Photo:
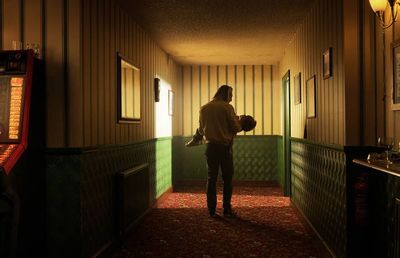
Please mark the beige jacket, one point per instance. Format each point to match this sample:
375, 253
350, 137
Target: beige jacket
218, 122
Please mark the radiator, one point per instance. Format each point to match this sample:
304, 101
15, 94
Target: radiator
132, 197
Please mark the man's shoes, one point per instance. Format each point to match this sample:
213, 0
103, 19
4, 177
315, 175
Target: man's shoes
229, 213
193, 142
212, 214
196, 140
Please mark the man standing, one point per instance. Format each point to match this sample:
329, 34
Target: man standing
219, 125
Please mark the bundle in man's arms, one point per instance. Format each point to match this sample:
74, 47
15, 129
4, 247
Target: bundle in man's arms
247, 122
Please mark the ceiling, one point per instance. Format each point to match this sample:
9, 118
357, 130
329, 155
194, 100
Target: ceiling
220, 31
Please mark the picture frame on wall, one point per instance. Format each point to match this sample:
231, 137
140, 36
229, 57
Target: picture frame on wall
396, 74
128, 80
297, 89
327, 63
311, 97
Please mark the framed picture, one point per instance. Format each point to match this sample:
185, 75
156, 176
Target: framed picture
311, 97
170, 102
297, 89
396, 74
128, 91
327, 63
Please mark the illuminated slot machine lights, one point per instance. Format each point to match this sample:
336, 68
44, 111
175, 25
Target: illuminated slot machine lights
15, 107
5, 152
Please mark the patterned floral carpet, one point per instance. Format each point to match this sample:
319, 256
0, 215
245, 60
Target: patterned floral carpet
266, 226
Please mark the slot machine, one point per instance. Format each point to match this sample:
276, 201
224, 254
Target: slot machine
16, 72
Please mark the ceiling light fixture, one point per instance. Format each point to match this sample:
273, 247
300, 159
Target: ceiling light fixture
379, 7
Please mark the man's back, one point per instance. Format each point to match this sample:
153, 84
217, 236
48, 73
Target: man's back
218, 122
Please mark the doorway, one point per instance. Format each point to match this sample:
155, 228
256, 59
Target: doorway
286, 134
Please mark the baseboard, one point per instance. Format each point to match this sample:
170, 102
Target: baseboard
104, 251
110, 247
246, 183
162, 197
325, 251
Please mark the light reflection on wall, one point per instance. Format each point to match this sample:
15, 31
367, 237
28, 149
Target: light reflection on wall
163, 123
163, 128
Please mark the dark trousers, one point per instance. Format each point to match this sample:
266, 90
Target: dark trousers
219, 155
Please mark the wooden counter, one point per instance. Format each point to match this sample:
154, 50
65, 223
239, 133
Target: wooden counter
380, 165
375, 199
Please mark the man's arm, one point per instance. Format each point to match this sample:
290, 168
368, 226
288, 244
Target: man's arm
201, 125
234, 120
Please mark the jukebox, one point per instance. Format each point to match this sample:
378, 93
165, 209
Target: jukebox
16, 70
16, 80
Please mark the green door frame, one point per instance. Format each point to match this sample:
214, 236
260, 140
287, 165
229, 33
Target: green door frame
286, 134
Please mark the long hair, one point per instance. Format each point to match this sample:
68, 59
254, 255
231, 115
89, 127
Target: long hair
223, 92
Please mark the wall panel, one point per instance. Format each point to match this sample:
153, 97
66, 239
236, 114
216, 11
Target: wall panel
204, 86
32, 25
267, 101
249, 91
128, 38
55, 73
240, 91
86, 66
388, 114
252, 86
74, 73
79, 41
258, 98
232, 82
195, 97
11, 19
187, 100
94, 72
304, 55
213, 80
101, 72
276, 93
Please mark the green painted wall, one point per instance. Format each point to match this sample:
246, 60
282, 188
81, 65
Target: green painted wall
163, 170
319, 190
281, 159
81, 183
81, 191
255, 159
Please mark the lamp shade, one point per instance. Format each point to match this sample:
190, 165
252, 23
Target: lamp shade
378, 5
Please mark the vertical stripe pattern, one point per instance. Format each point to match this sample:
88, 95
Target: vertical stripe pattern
252, 86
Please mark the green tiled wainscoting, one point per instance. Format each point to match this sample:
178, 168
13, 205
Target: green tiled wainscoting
163, 170
319, 190
81, 192
255, 159
281, 159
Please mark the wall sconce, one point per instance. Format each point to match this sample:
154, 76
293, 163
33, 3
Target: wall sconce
156, 89
379, 7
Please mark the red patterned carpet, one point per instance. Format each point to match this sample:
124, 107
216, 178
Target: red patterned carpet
266, 226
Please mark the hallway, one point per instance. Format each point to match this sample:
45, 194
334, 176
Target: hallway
267, 225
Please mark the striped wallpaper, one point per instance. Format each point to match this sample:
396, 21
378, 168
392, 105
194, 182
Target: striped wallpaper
108, 29
321, 29
79, 41
392, 111
256, 92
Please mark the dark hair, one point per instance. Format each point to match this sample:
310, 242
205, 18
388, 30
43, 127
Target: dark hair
223, 92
